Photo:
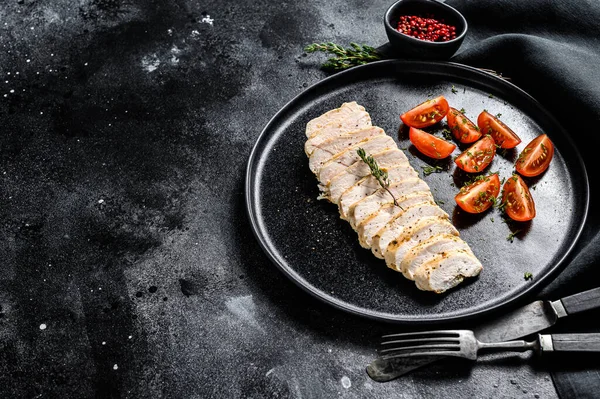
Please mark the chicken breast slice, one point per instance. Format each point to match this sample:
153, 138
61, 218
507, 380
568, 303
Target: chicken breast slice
353, 173
371, 225
368, 185
371, 204
355, 121
330, 148
424, 252
447, 270
415, 234
340, 162
401, 222
350, 114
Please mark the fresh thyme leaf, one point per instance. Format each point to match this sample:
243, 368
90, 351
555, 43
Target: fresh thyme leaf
377, 173
492, 219
439, 202
454, 89
528, 276
490, 96
344, 58
447, 134
462, 111
427, 170
498, 115
511, 236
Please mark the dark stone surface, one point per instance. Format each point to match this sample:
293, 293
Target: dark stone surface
128, 268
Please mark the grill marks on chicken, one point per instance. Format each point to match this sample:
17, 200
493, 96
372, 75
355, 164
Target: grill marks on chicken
415, 237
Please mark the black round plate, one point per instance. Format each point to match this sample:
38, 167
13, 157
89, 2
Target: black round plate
320, 252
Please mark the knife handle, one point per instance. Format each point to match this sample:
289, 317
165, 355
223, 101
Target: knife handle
574, 342
585, 300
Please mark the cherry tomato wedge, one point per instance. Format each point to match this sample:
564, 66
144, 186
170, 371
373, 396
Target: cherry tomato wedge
429, 144
518, 201
477, 157
502, 134
426, 114
536, 157
479, 196
461, 127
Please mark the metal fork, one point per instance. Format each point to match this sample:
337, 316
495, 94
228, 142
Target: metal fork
462, 343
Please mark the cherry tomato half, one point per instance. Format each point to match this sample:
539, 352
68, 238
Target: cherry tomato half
502, 134
426, 114
477, 157
429, 144
536, 157
479, 196
461, 127
518, 201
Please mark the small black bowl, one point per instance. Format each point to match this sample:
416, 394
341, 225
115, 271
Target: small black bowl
405, 46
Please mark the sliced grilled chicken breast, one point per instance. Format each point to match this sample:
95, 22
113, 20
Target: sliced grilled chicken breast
341, 161
401, 222
349, 114
426, 251
415, 234
330, 148
447, 270
368, 185
371, 204
371, 225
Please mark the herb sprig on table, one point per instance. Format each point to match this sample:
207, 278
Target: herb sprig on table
344, 58
377, 173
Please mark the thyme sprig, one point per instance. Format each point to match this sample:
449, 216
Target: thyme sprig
344, 58
377, 173
511, 237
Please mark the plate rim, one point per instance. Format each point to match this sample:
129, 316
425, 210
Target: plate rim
535, 286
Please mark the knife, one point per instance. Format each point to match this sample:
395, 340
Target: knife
519, 323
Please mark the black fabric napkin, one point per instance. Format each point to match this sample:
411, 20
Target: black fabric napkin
551, 49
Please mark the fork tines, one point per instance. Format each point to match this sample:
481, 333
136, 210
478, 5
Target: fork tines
422, 343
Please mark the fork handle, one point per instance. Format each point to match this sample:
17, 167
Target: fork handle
515, 346
572, 342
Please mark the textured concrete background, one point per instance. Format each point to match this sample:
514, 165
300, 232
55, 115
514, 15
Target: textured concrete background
127, 266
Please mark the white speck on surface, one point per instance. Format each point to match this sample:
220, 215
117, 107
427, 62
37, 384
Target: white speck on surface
150, 63
195, 33
86, 64
269, 372
175, 55
103, 342
43, 326
129, 337
207, 20
346, 383
12, 91
101, 201
115, 367
170, 32
28, 60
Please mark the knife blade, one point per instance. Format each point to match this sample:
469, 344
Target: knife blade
529, 319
